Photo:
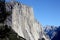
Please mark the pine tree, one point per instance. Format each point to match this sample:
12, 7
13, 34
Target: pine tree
2, 11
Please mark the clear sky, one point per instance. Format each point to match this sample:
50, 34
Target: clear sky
47, 12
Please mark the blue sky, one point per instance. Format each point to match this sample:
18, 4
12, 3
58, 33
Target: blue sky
47, 12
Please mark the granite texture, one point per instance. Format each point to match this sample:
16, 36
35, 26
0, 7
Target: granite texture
22, 21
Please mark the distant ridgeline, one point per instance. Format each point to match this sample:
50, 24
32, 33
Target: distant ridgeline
6, 32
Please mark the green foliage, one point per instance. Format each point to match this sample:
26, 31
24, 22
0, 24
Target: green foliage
6, 33
41, 39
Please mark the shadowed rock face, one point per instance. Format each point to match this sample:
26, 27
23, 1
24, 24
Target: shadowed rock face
53, 32
21, 20
57, 36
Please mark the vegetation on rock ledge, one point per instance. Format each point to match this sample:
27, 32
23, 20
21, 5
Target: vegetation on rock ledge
6, 33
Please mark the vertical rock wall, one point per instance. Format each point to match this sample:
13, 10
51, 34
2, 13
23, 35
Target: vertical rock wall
23, 22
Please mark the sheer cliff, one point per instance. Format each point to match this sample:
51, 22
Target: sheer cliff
22, 21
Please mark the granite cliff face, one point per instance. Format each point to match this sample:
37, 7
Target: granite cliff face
22, 21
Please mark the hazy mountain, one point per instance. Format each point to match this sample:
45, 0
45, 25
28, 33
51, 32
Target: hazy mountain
57, 36
52, 31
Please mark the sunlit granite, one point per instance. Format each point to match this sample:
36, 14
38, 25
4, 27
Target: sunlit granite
23, 22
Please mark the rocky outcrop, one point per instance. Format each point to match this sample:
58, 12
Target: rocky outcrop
22, 21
